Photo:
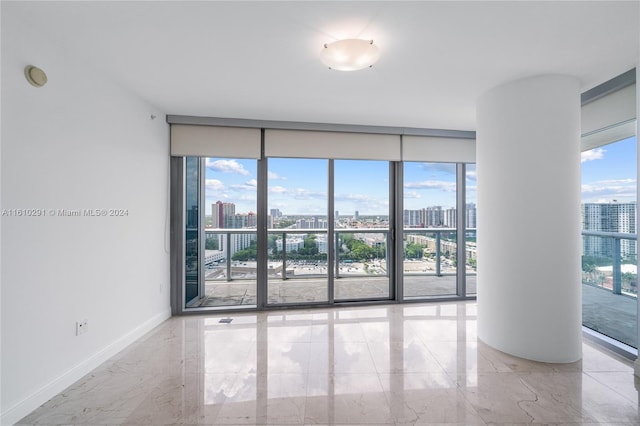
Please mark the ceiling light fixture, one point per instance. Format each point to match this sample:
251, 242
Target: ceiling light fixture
350, 54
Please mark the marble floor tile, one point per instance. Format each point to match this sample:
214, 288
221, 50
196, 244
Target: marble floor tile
378, 365
623, 383
596, 359
427, 398
347, 398
400, 357
565, 396
506, 398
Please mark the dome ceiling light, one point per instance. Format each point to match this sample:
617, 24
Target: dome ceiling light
350, 54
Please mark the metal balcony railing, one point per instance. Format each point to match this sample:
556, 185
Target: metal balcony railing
437, 239
615, 253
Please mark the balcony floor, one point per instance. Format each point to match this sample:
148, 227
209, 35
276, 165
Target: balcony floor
611, 314
314, 290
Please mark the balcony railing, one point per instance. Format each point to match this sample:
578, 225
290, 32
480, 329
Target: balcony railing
601, 247
609, 285
343, 258
439, 242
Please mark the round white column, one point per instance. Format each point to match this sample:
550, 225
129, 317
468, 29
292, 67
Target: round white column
529, 244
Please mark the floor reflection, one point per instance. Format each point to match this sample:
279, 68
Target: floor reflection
397, 364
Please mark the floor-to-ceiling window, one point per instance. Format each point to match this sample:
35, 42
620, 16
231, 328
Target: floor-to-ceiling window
429, 221
609, 246
609, 210
230, 221
298, 230
297, 217
361, 232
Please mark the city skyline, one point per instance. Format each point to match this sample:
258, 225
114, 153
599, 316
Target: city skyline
299, 186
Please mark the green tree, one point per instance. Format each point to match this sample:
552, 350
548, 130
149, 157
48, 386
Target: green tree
246, 254
414, 251
285, 223
361, 251
211, 244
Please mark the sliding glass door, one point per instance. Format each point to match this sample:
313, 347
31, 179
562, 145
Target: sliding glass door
231, 215
318, 217
298, 245
362, 229
430, 230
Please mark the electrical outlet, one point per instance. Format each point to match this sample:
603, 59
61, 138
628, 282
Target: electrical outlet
82, 327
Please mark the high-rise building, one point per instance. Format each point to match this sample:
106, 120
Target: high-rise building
293, 243
434, 217
222, 215
275, 213
450, 218
413, 218
609, 217
470, 220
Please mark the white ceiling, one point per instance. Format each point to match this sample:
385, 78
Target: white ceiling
260, 60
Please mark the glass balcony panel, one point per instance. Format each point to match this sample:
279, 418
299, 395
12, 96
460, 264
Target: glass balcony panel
297, 268
362, 270
429, 265
610, 287
230, 280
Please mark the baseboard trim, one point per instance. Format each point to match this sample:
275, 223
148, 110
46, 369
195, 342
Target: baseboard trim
18, 411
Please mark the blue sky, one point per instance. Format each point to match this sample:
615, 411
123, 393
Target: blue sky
609, 172
299, 186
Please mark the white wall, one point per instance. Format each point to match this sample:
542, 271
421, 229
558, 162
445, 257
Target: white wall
80, 142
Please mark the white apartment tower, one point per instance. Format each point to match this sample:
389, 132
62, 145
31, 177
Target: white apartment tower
609, 217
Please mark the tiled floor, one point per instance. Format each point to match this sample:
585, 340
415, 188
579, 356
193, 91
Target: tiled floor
396, 364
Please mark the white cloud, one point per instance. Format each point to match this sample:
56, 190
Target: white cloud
249, 185
278, 189
353, 197
227, 166
412, 194
611, 189
364, 203
305, 194
472, 175
593, 154
432, 184
214, 185
275, 176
